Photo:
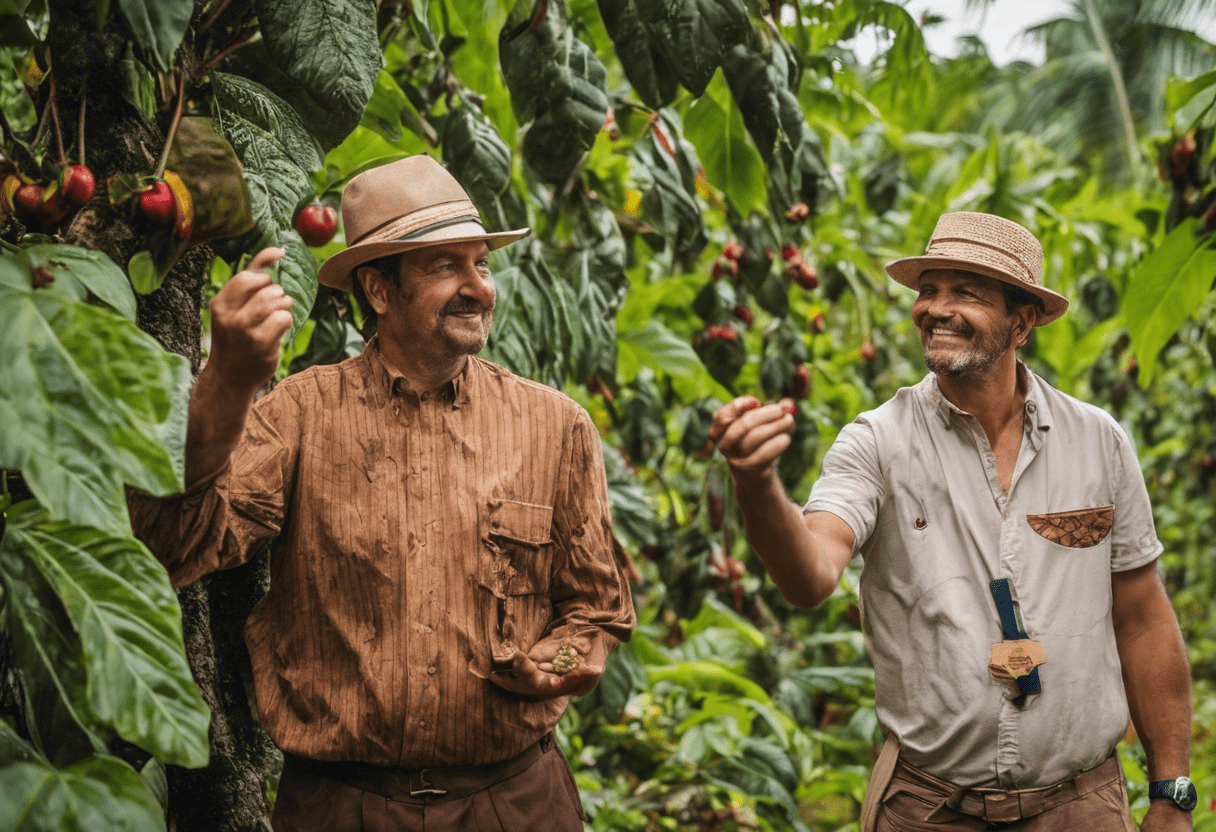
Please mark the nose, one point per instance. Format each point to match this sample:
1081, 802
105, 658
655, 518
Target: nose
478, 285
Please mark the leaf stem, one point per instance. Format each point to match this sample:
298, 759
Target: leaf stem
80, 122
15, 249
229, 49
177, 117
210, 21
1202, 113
1116, 78
63, 157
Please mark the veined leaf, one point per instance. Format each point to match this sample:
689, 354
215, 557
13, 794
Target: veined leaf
715, 127
647, 65
1166, 289
708, 676
281, 180
383, 111
100, 792
93, 269
88, 402
654, 345
158, 26
330, 49
480, 160
297, 272
122, 606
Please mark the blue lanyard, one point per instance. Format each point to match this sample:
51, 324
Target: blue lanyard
1009, 623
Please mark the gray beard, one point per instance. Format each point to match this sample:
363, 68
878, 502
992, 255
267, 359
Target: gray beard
978, 356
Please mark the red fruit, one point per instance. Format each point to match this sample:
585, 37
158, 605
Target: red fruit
28, 202
801, 382
724, 332
744, 313
790, 253
733, 250
76, 183
1181, 155
53, 207
597, 387
157, 205
725, 267
868, 351
798, 213
804, 275
819, 324
316, 223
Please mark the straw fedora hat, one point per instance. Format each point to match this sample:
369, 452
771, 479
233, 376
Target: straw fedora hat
988, 245
407, 204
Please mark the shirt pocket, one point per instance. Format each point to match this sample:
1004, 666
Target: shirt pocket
518, 540
1079, 529
1065, 590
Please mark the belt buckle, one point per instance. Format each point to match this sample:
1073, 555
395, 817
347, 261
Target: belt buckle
425, 787
1001, 808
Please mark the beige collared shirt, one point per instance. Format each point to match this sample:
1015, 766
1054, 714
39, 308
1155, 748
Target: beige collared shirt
916, 480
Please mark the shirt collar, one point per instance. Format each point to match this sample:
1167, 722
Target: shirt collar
387, 379
1038, 415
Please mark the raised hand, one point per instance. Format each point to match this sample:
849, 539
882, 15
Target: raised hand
248, 318
750, 435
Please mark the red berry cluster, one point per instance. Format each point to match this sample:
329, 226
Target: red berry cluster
721, 332
797, 269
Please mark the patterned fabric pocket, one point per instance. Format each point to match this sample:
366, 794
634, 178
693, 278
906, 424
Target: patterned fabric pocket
1079, 529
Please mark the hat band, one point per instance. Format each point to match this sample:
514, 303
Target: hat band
1004, 252
420, 222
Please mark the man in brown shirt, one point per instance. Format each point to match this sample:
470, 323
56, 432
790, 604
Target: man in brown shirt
441, 550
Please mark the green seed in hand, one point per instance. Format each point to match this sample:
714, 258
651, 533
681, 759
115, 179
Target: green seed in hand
566, 660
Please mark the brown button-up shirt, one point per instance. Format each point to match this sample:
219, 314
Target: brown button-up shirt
414, 539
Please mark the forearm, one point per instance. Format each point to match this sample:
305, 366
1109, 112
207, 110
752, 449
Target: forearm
216, 422
777, 533
1157, 678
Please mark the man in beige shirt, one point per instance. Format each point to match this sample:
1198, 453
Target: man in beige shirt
442, 568
1010, 593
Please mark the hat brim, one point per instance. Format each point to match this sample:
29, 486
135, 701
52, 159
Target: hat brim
907, 271
337, 270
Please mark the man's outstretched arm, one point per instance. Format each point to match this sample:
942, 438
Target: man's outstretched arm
804, 554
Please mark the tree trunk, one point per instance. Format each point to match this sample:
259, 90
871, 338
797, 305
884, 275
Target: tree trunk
229, 794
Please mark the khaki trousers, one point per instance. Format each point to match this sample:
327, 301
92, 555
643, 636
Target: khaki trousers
541, 797
907, 799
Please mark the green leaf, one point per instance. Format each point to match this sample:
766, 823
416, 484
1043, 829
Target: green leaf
297, 274
647, 65
330, 49
94, 269
657, 347
383, 111
97, 793
122, 606
696, 35
212, 173
708, 676
146, 278
1165, 290
1180, 91
158, 26
477, 156
714, 125
271, 114
88, 402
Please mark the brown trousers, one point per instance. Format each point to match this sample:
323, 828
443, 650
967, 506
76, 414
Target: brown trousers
908, 799
542, 796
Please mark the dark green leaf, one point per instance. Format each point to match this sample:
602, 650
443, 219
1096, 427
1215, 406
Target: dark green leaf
297, 274
212, 173
158, 26
268, 112
383, 111
647, 65
88, 402
476, 155
99, 793
329, 48
126, 614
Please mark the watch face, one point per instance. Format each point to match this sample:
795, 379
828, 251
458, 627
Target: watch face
1184, 794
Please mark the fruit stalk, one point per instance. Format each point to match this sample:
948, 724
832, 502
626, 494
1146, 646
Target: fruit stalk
54, 108
177, 117
80, 125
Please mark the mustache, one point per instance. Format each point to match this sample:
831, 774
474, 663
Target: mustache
960, 328
460, 305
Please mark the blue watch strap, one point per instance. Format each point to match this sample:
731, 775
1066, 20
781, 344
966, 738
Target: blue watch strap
1009, 624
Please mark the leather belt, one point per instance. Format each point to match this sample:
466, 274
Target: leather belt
419, 785
1012, 805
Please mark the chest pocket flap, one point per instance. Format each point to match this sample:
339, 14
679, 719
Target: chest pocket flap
521, 522
1078, 529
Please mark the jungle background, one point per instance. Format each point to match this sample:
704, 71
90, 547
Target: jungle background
714, 186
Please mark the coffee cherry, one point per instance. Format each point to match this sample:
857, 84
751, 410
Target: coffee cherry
723, 267
790, 253
733, 250
316, 223
804, 275
868, 351
1181, 155
798, 213
76, 183
158, 205
27, 202
744, 313
801, 382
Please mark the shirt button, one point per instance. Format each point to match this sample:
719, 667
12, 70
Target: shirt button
431, 670
1030, 408
422, 723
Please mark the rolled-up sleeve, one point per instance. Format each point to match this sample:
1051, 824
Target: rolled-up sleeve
851, 484
588, 585
1133, 537
220, 521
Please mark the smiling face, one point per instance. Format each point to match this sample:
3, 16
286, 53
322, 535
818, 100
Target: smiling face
444, 305
964, 324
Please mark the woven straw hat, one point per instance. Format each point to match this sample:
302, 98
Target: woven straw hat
988, 245
407, 204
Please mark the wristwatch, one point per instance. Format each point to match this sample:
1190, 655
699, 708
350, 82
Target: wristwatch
1180, 790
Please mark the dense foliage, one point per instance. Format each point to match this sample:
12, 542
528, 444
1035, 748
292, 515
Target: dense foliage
714, 186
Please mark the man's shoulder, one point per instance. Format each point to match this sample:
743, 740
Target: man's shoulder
517, 386
1069, 411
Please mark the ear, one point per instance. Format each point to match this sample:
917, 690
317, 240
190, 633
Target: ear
1027, 316
375, 287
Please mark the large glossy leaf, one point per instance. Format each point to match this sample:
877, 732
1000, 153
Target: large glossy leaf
127, 617
1166, 289
695, 34
383, 111
259, 106
158, 26
654, 345
98, 793
93, 269
715, 127
477, 156
647, 64
329, 48
208, 166
88, 403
